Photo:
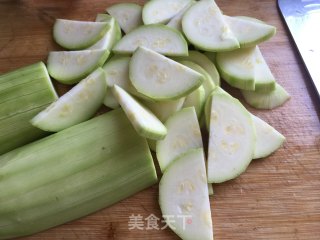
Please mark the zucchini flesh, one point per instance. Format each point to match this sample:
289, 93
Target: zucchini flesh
183, 192
23, 94
53, 181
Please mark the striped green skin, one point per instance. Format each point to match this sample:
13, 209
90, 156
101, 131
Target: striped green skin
23, 94
71, 174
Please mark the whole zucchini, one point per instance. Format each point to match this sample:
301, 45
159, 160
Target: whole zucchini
72, 173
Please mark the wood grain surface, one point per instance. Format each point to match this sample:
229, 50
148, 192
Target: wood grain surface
276, 198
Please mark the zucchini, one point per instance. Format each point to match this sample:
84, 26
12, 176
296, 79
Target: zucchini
184, 197
76, 106
183, 134
157, 37
266, 100
161, 11
176, 21
111, 37
77, 35
161, 78
71, 174
143, 120
23, 94
205, 27
128, 15
197, 100
70, 67
231, 138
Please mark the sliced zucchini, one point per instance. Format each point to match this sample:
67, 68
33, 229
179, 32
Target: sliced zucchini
231, 138
161, 78
176, 21
268, 139
111, 37
152, 144
76, 106
117, 72
248, 32
263, 77
144, 121
70, 67
157, 37
184, 197
161, 11
183, 134
208, 83
196, 99
207, 106
205, 27
266, 100
128, 15
210, 189
76, 35
164, 109
238, 67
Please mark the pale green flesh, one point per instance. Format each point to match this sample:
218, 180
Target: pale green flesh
161, 11
264, 79
111, 37
176, 21
249, 33
268, 139
207, 106
238, 68
205, 27
144, 121
23, 94
70, 67
157, 37
163, 110
161, 78
266, 100
71, 174
183, 134
208, 84
196, 99
128, 15
76, 35
183, 195
76, 106
231, 139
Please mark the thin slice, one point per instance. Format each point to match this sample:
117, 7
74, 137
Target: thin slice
196, 99
111, 37
75, 35
183, 134
176, 21
266, 100
70, 67
144, 121
161, 78
248, 32
184, 197
231, 138
205, 27
204, 62
76, 106
208, 83
268, 139
161, 11
157, 37
128, 15
238, 67
263, 77
163, 110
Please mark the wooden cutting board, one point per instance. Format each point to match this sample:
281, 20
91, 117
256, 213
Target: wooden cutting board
276, 198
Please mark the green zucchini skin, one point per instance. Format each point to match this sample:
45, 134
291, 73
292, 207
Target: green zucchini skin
23, 94
71, 174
